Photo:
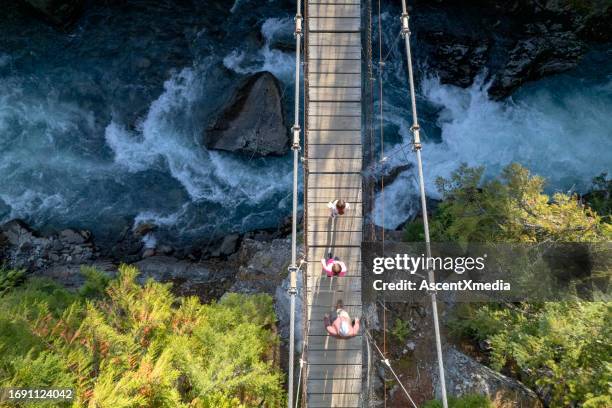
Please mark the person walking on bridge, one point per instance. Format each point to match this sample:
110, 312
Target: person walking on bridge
342, 327
333, 266
337, 207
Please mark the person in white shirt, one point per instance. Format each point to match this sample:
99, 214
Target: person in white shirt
337, 207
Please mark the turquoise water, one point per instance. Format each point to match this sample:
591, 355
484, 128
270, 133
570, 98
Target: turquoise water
101, 127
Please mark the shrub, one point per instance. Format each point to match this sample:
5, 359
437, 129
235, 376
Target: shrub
120, 344
562, 348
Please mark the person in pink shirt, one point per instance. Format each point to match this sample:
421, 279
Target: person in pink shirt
342, 327
333, 267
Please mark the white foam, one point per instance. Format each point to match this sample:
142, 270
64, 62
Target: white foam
164, 138
554, 133
280, 63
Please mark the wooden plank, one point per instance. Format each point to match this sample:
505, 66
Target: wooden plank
349, 180
335, 152
333, 10
334, 122
334, 400
330, 299
338, 284
348, 254
341, 39
335, 108
335, 356
346, 52
328, 387
333, 24
327, 371
334, 165
338, 66
335, 94
343, 223
333, 79
335, 137
334, 238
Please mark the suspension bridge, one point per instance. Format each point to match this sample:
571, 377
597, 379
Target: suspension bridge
329, 36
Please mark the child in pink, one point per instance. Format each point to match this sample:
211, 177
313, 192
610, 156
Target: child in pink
333, 267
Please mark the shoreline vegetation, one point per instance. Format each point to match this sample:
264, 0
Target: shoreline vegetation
120, 344
560, 350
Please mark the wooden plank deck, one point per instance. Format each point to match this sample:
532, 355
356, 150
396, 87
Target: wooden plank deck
333, 170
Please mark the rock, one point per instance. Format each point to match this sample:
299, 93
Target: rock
464, 375
388, 175
148, 252
457, 60
165, 268
252, 121
228, 246
17, 232
60, 13
165, 249
144, 228
263, 266
535, 58
511, 42
72, 237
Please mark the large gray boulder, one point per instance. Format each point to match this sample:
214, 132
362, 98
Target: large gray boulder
252, 121
464, 375
60, 13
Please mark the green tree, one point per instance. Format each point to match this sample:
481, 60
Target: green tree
120, 344
564, 347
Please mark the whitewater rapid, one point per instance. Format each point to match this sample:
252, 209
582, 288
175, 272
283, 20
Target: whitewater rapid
559, 128
80, 148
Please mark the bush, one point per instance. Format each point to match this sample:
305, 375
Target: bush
120, 344
401, 330
10, 278
562, 348
466, 401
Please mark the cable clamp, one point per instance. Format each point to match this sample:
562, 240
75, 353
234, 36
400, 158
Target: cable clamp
387, 363
298, 25
415, 129
296, 137
405, 27
302, 363
292, 279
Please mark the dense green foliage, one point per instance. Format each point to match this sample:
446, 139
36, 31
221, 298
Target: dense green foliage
401, 330
466, 401
120, 344
561, 349
600, 197
512, 208
10, 278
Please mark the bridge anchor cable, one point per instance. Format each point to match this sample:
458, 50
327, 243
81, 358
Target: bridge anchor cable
415, 129
293, 268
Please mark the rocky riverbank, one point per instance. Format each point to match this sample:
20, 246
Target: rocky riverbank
513, 41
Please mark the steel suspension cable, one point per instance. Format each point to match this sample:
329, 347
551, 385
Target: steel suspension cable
415, 128
296, 148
